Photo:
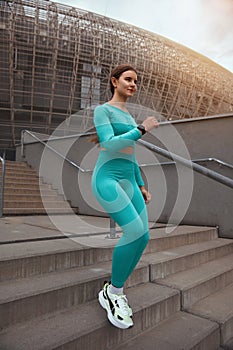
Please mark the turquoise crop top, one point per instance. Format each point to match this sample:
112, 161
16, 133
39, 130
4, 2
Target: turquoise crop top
117, 130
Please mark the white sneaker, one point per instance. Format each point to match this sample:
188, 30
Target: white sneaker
118, 310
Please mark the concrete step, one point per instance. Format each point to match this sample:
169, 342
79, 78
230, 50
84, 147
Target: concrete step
14, 164
21, 184
20, 177
29, 298
21, 166
182, 258
30, 259
36, 203
39, 211
170, 237
56, 255
19, 171
14, 197
33, 191
217, 307
22, 181
199, 282
86, 326
179, 332
10, 186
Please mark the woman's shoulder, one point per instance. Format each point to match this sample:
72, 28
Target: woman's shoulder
102, 107
101, 113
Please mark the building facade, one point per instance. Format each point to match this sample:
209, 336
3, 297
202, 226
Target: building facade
56, 59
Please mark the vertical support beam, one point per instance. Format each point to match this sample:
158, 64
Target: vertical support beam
12, 58
34, 60
75, 71
54, 21
2, 186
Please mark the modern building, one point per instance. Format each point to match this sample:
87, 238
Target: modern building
56, 59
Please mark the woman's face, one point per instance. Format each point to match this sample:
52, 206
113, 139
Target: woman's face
126, 85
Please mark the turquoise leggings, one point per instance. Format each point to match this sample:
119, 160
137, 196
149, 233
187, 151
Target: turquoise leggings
115, 187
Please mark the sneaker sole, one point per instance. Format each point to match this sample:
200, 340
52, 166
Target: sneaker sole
109, 313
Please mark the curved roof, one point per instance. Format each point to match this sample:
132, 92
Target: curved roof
61, 56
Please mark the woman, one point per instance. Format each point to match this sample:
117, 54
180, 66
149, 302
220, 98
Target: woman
118, 186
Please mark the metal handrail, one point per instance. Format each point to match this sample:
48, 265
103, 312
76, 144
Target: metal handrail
220, 162
210, 159
189, 163
2, 187
54, 150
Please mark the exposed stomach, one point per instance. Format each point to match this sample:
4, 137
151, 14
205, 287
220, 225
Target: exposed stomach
126, 150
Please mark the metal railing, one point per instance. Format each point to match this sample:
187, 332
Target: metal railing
51, 149
2, 186
215, 160
202, 160
191, 164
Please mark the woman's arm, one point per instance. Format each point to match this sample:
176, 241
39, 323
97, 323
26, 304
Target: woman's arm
106, 135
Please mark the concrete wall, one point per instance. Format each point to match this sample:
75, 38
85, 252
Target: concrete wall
178, 195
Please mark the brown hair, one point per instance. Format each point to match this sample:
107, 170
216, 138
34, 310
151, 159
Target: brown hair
116, 73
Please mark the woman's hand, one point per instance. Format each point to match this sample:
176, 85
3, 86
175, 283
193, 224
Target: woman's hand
150, 123
146, 194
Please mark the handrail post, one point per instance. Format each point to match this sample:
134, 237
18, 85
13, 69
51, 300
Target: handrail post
112, 234
2, 186
22, 143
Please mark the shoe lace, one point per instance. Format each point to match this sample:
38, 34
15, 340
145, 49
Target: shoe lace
123, 303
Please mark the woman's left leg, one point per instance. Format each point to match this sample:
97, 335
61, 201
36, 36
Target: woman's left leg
133, 220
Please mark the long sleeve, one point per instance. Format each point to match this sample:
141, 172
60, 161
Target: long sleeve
106, 135
138, 175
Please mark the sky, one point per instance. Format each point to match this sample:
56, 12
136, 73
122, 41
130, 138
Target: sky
206, 26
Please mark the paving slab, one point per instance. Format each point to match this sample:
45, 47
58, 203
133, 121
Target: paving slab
18, 228
29, 227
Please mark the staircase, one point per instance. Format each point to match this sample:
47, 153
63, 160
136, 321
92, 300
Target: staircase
23, 191
180, 292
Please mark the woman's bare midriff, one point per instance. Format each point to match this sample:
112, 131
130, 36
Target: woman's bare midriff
127, 150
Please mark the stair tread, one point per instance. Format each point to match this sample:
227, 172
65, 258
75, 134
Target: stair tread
216, 307
18, 289
191, 277
36, 186
34, 199
182, 251
170, 231
53, 330
31, 195
23, 250
37, 211
21, 172
180, 331
32, 249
